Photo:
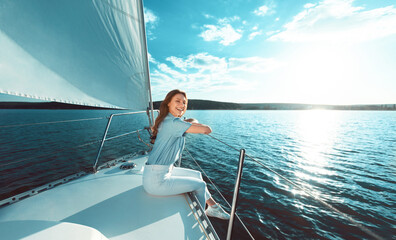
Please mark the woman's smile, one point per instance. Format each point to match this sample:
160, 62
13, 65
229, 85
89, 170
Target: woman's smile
178, 105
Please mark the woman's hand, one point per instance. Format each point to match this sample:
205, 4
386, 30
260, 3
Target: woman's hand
191, 120
199, 128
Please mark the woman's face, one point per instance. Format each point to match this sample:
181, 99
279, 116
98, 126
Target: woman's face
178, 105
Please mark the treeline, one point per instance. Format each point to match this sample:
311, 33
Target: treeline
213, 105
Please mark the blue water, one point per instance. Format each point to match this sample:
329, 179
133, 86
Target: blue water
345, 158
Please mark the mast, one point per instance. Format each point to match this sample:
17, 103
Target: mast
147, 62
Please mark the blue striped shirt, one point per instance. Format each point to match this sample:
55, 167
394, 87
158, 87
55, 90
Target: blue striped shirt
170, 141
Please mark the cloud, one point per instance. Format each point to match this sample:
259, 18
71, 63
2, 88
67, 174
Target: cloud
151, 21
267, 9
207, 16
338, 20
272, 32
149, 17
253, 64
262, 11
151, 59
200, 62
254, 34
205, 72
223, 32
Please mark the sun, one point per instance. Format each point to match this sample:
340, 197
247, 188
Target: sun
323, 74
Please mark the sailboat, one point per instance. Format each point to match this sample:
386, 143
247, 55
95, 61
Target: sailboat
90, 53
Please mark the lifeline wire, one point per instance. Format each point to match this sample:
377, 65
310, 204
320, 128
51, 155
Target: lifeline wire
349, 218
214, 185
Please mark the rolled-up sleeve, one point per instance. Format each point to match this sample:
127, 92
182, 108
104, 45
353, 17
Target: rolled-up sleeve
180, 127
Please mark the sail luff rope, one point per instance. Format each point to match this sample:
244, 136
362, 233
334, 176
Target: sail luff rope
346, 216
214, 185
40, 123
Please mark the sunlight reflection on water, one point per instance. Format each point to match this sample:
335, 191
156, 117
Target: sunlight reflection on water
317, 132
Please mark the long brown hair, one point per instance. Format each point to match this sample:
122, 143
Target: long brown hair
164, 110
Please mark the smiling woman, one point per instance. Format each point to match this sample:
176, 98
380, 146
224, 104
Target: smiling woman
160, 177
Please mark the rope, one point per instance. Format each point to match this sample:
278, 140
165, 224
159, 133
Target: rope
214, 185
349, 218
40, 123
140, 139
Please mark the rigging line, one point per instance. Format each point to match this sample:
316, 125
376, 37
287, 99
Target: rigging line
40, 123
51, 153
223, 142
214, 185
347, 217
140, 139
111, 138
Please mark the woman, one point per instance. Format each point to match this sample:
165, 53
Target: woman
160, 177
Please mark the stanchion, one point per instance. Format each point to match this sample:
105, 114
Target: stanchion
236, 193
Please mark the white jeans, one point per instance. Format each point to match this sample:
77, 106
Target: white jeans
164, 180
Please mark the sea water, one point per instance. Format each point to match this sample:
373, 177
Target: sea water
333, 161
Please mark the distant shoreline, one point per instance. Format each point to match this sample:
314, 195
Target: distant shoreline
195, 104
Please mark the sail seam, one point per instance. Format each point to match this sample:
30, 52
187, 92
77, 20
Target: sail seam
121, 11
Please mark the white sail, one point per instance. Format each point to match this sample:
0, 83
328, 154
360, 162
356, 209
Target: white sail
89, 52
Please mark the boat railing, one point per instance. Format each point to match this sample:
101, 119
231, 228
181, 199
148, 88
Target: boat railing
234, 204
237, 185
56, 151
104, 138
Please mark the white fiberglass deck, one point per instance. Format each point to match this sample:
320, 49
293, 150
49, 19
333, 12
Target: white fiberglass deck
110, 204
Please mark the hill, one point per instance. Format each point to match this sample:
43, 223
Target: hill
194, 104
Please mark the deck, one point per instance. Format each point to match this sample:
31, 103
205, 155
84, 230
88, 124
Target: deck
110, 204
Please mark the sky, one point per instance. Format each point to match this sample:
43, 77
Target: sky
268, 51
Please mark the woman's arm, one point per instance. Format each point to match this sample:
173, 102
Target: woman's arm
199, 128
